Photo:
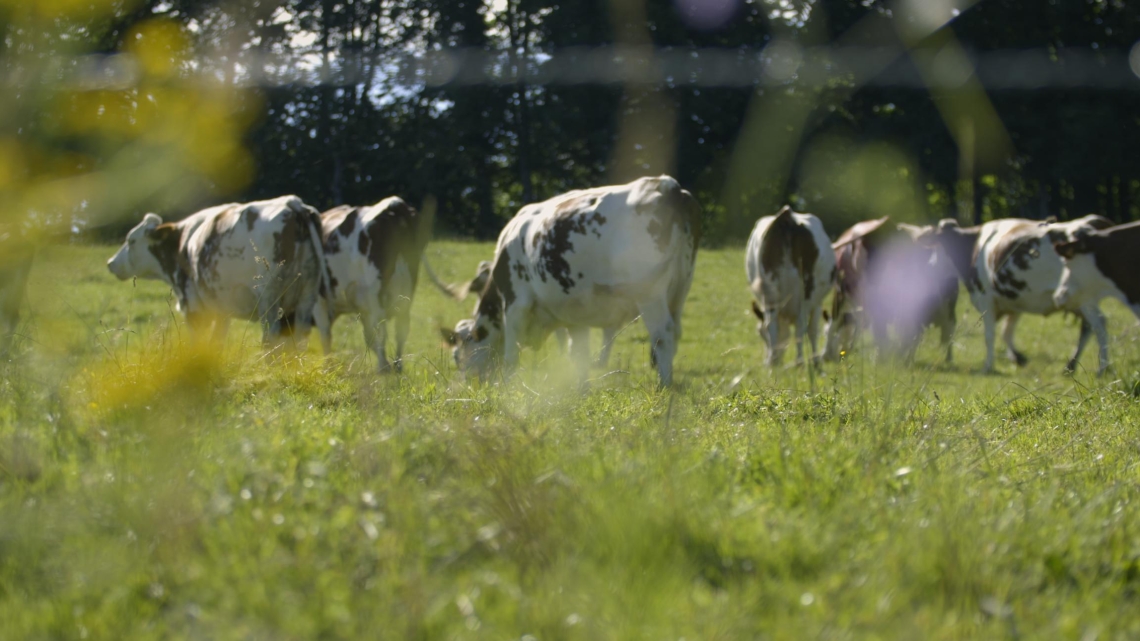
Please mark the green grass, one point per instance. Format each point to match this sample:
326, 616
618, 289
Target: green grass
152, 491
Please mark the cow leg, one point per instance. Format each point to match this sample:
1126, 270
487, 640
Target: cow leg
1007, 336
1082, 340
771, 326
662, 338
516, 329
221, 328
1100, 329
1092, 322
322, 318
580, 353
562, 337
946, 327
880, 336
800, 329
989, 330
813, 335
376, 334
609, 334
911, 335
200, 322
403, 324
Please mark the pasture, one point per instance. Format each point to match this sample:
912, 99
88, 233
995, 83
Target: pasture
150, 490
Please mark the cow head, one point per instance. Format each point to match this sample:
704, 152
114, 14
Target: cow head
773, 334
476, 346
839, 333
150, 251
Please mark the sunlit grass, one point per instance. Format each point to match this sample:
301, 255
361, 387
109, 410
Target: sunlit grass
150, 488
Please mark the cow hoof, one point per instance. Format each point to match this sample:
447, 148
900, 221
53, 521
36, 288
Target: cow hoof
399, 366
1019, 359
1071, 366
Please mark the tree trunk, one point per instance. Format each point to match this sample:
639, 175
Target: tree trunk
519, 37
976, 194
327, 134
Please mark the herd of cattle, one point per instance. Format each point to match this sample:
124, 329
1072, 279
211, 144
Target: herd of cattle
603, 257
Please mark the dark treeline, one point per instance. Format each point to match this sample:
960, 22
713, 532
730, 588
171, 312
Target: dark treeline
338, 121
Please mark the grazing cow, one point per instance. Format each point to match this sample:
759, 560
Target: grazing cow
886, 277
373, 256
16, 254
588, 258
1100, 264
261, 260
790, 266
479, 283
1009, 268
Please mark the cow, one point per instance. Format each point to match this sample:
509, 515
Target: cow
261, 260
373, 256
887, 277
562, 336
16, 254
587, 258
1009, 267
790, 265
1100, 264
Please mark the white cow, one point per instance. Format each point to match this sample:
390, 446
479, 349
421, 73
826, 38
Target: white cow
886, 277
1009, 268
373, 255
791, 267
260, 260
479, 283
589, 258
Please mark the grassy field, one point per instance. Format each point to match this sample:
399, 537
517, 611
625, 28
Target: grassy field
148, 491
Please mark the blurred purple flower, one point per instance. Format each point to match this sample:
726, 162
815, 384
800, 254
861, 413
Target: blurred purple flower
707, 15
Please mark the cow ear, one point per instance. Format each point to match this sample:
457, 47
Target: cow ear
756, 310
150, 221
449, 337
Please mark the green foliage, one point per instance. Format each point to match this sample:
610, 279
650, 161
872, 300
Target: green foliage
149, 490
315, 91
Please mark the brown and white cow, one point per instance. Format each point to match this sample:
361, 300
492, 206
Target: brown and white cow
790, 266
16, 253
373, 255
1100, 264
589, 258
260, 260
562, 336
886, 277
1009, 268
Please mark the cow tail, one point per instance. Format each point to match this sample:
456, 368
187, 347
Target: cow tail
458, 292
425, 225
324, 289
425, 222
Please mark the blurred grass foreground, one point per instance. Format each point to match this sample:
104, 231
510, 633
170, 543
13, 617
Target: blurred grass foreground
153, 487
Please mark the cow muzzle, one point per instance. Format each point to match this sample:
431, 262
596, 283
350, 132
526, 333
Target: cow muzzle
115, 266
